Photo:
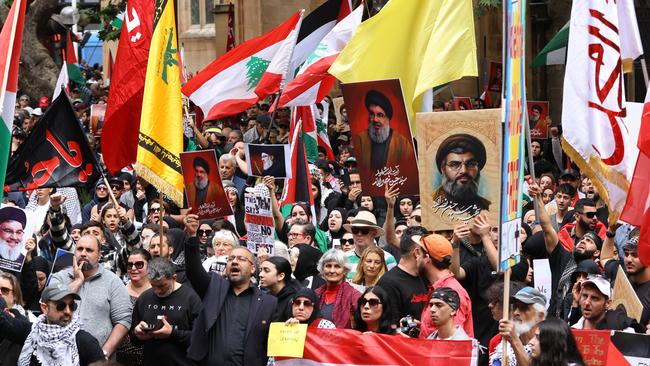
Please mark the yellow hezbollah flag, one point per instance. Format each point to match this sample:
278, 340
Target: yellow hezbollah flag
424, 43
160, 141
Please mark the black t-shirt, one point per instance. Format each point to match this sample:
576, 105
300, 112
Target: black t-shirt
181, 307
407, 294
88, 347
557, 260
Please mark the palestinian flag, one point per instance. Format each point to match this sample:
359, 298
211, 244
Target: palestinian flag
11, 38
298, 187
74, 73
305, 117
321, 129
220, 90
554, 53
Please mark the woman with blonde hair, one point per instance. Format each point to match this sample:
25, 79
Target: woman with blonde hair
371, 267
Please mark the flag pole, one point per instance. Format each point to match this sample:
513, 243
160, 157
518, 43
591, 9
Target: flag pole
12, 37
161, 214
644, 69
506, 313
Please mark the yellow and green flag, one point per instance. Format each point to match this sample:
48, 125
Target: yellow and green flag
160, 140
423, 43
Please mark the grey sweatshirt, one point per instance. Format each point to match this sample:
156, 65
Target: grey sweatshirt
104, 303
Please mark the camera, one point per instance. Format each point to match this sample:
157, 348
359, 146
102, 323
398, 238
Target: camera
409, 327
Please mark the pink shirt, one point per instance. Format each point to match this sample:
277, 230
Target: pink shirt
463, 315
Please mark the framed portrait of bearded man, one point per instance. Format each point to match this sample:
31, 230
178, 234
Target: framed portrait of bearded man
459, 166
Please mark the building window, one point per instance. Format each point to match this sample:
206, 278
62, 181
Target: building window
195, 12
209, 16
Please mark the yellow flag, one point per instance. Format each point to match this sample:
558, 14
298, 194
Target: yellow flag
161, 126
424, 43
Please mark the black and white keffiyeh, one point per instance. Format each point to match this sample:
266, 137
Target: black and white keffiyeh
53, 345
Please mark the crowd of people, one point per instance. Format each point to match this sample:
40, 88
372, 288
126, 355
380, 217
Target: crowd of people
151, 284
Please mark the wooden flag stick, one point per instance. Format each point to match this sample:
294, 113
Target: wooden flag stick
506, 313
110, 192
160, 217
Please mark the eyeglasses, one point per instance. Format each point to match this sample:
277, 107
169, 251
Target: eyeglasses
201, 232
11, 232
590, 215
239, 258
137, 265
6, 290
372, 302
360, 230
469, 164
61, 305
347, 241
295, 235
305, 303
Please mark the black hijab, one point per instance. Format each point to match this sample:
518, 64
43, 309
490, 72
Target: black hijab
307, 262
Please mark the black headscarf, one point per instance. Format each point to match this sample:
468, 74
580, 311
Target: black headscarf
178, 238
344, 217
397, 212
307, 262
311, 295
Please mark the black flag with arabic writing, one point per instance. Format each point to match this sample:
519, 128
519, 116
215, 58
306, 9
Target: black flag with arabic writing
55, 154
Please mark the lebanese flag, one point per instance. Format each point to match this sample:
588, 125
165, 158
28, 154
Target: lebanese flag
298, 187
350, 347
11, 38
122, 120
637, 206
274, 76
321, 128
227, 86
313, 82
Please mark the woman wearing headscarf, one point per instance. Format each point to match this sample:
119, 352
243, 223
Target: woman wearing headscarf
237, 218
305, 309
333, 226
404, 206
304, 259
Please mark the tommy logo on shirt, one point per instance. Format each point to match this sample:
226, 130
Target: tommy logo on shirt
164, 307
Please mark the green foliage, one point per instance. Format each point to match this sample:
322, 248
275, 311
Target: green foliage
485, 6
106, 15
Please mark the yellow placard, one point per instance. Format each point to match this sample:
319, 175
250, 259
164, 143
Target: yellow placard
287, 340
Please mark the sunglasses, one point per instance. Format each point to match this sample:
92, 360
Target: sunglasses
359, 230
6, 290
590, 215
305, 303
201, 232
137, 265
61, 305
347, 241
155, 209
373, 303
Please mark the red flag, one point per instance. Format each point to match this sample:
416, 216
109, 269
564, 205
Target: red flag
298, 187
122, 121
637, 207
349, 347
70, 56
230, 43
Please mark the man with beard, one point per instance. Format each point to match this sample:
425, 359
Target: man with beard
460, 159
272, 165
529, 309
380, 146
535, 116
233, 325
105, 309
586, 219
202, 190
56, 338
12, 226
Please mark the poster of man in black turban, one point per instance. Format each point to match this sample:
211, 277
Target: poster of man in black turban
381, 136
459, 172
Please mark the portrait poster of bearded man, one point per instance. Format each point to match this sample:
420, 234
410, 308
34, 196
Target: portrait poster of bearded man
537, 118
204, 191
269, 159
15, 231
381, 136
459, 166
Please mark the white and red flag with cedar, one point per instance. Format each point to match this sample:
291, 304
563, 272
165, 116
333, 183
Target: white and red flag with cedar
11, 39
596, 135
122, 120
227, 86
275, 75
637, 207
313, 82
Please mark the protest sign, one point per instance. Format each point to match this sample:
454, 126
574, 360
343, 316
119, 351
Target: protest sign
462, 103
537, 119
542, 278
203, 189
267, 159
495, 77
15, 229
287, 340
62, 259
97, 112
381, 136
259, 219
624, 297
596, 348
456, 187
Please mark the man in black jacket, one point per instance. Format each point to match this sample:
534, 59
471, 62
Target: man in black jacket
233, 325
50, 334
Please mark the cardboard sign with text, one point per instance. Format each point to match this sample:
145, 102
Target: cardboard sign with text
381, 136
597, 349
259, 219
624, 297
287, 340
455, 187
203, 189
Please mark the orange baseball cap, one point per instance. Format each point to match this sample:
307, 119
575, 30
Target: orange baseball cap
437, 246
